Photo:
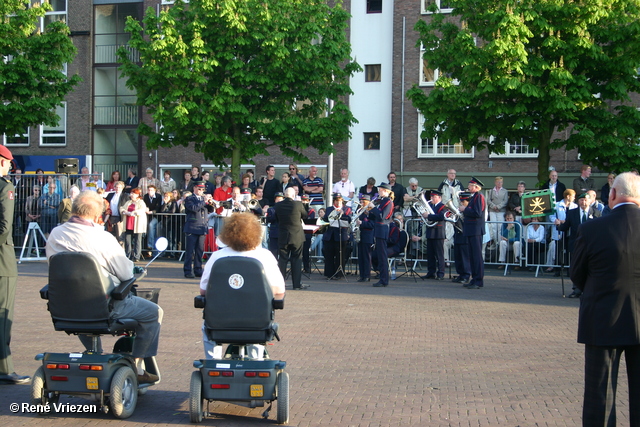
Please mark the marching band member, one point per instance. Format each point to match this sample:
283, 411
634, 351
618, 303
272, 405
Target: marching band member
273, 225
336, 236
435, 238
366, 240
461, 246
473, 230
381, 217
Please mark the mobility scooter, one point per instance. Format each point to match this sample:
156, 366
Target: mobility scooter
239, 311
79, 306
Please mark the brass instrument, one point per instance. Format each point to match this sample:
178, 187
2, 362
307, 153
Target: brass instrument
453, 214
422, 207
335, 215
252, 204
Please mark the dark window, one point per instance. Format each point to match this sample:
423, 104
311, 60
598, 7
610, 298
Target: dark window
372, 73
374, 6
372, 140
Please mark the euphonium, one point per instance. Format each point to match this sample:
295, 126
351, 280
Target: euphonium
422, 207
453, 214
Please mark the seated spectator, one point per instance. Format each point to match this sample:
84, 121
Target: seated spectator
510, 235
82, 234
536, 242
242, 235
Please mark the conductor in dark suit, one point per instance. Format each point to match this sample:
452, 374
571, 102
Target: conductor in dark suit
289, 214
605, 268
575, 217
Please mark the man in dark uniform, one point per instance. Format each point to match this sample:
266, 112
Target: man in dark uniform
197, 207
336, 236
366, 241
461, 246
381, 217
473, 230
8, 271
289, 213
273, 226
306, 248
605, 267
436, 236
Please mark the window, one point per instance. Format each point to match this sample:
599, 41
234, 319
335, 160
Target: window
372, 73
55, 135
517, 149
444, 6
110, 35
428, 75
432, 147
374, 6
114, 103
371, 140
58, 12
20, 140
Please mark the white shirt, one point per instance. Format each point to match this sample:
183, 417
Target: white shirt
345, 188
269, 262
78, 235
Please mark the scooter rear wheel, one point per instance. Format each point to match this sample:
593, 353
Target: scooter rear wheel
124, 392
283, 398
38, 384
195, 397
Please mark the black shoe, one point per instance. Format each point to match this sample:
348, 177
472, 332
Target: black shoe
439, 278
556, 274
427, 277
465, 282
575, 294
190, 276
364, 280
198, 275
14, 378
301, 287
379, 285
456, 280
306, 271
148, 377
473, 287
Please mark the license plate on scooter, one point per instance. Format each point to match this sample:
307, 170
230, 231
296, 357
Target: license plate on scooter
92, 383
256, 390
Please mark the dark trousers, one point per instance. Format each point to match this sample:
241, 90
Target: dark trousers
475, 260
364, 259
7, 297
306, 256
133, 245
383, 260
193, 254
601, 381
435, 257
332, 258
274, 248
461, 257
291, 252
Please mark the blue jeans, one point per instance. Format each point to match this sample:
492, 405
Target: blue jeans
152, 232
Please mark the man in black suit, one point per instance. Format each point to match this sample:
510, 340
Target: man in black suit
605, 267
556, 187
289, 214
575, 217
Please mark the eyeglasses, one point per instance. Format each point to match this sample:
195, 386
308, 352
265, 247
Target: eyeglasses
292, 169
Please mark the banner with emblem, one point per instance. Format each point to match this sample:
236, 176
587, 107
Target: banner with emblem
537, 203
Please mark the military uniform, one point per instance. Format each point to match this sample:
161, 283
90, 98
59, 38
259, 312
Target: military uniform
8, 273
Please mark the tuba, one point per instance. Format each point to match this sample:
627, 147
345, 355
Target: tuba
422, 207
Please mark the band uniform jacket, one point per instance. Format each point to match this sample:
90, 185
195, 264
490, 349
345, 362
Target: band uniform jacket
332, 233
289, 214
197, 211
473, 224
572, 222
366, 228
604, 266
438, 231
397, 240
8, 265
381, 217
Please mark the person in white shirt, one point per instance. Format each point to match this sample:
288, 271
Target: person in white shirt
536, 242
242, 236
345, 187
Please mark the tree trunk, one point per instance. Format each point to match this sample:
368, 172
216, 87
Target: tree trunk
544, 153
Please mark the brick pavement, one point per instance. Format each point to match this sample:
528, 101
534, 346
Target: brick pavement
413, 354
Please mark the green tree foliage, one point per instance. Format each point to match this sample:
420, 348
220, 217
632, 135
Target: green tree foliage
31, 66
238, 76
516, 69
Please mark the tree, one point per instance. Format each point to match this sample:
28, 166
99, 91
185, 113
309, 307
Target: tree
31, 66
514, 69
236, 77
